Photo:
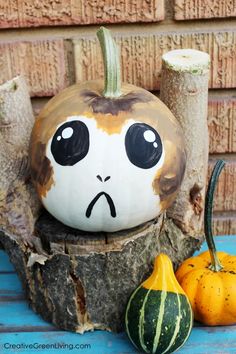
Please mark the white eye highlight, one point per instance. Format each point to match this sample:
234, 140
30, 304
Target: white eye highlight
59, 138
150, 137
67, 133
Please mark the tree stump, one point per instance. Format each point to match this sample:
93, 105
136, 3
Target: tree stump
77, 280
81, 281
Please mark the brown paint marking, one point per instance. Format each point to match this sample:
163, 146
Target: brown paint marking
168, 179
142, 104
41, 169
114, 106
113, 124
109, 123
44, 189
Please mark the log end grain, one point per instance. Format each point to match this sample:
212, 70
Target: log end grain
187, 60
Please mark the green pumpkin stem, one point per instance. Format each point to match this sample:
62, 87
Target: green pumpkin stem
110, 53
215, 263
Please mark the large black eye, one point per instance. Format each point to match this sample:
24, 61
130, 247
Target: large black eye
143, 145
70, 143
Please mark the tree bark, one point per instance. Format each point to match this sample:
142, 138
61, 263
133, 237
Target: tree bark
19, 205
79, 281
82, 281
184, 89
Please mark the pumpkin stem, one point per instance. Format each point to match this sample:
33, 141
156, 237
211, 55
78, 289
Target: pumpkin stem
110, 53
215, 263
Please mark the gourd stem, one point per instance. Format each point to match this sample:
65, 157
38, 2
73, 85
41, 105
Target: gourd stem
112, 80
215, 263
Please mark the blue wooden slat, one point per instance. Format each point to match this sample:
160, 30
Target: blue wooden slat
223, 243
203, 340
10, 285
209, 340
5, 265
19, 314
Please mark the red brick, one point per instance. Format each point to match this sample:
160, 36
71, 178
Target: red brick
31, 13
224, 225
195, 9
225, 194
44, 63
222, 125
141, 56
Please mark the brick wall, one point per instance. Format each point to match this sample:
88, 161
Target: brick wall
53, 44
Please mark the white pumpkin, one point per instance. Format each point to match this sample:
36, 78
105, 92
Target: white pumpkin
106, 163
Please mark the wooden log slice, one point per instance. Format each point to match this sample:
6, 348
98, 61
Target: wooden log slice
82, 281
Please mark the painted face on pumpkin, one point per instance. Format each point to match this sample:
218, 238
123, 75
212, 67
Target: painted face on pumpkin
114, 168
103, 164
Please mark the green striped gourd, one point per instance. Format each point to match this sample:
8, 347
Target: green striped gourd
158, 316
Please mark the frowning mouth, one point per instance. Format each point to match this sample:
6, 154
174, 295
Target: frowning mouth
94, 201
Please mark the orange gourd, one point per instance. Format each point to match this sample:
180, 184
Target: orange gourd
209, 279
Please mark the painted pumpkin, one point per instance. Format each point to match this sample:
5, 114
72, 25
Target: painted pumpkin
106, 159
209, 279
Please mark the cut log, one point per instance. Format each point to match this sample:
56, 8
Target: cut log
184, 89
82, 281
19, 205
79, 281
